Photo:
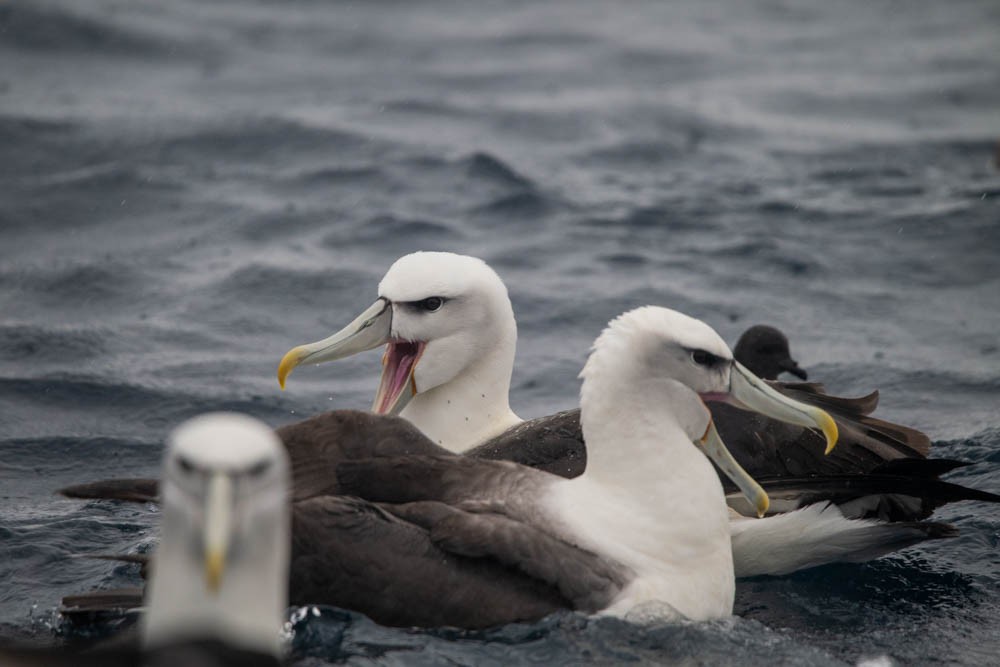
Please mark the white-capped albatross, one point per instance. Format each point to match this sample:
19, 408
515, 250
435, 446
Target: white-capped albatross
450, 335
218, 587
449, 331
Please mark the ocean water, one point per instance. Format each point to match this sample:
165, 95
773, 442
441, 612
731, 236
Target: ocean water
189, 188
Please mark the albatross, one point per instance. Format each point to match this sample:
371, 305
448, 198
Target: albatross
449, 333
387, 523
219, 583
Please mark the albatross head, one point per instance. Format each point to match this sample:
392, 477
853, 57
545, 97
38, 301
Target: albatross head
667, 363
440, 315
221, 570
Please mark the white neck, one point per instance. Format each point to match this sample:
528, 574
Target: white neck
471, 407
248, 610
651, 500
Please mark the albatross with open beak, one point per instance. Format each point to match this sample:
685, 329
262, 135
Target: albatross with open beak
450, 335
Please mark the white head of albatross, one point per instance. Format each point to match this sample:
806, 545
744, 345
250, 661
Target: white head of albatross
649, 498
221, 570
450, 335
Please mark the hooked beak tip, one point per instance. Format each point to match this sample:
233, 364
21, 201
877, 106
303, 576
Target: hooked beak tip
288, 363
829, 428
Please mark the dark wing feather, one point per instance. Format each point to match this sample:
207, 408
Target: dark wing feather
116, 600
316, 446
553, 444
485, 509
353, 554
870, 496
137, 490
448, 478
588, 581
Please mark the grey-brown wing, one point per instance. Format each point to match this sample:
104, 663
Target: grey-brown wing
588, 581
353, 554
316, 446
891, 492
487, 509
768, 448
553, 443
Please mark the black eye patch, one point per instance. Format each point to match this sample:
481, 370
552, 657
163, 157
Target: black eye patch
185, 465
705, 358
428, 305
259, 468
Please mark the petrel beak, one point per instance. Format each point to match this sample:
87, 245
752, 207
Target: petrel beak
217, 528
368, 330
717, 452
748, 391
789, 365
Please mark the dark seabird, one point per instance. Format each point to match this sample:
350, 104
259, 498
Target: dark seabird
217, 590
449, 331
389, 524
764, 351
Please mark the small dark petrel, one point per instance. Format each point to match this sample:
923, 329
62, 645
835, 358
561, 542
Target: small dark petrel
764, 351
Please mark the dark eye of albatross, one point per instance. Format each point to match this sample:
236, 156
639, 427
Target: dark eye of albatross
259, 468
186, 466
703, 358
431, 303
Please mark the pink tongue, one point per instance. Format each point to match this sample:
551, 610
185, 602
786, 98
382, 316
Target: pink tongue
402, 356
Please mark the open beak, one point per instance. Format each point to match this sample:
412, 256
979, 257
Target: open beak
369, 330
397, 386
716, 451
218, 528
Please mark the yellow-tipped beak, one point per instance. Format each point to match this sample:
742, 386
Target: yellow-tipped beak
829, 428
215, 564
288, 363
749, 391
368, 330
715, 449
217, 528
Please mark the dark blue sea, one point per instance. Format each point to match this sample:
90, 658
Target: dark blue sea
189, 188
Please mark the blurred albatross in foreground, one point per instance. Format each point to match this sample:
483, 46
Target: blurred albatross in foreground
219, 583
450, 334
